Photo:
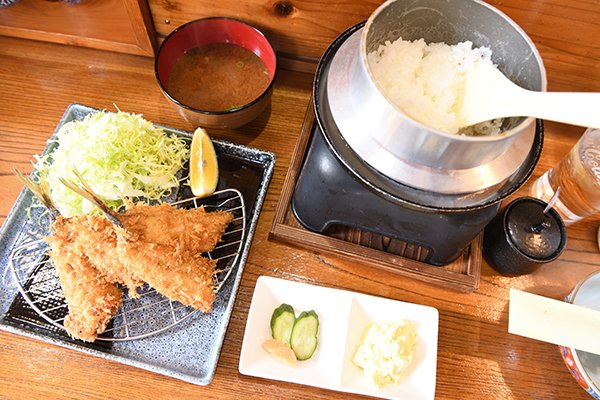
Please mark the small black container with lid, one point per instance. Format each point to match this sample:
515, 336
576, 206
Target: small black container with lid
522, 237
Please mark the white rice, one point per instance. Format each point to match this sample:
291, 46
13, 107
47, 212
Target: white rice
426, 81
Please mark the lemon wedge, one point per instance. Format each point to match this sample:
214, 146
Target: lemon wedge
204, 169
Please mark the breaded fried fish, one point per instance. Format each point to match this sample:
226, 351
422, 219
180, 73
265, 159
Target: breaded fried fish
163, 250
91, 299
188, 279
192, 230
95, 237
160, 245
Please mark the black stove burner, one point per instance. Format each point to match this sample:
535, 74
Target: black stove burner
327, 194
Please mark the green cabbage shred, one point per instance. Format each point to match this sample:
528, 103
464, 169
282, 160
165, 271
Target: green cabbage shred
120, 155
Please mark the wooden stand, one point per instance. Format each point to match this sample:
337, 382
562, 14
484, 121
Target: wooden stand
381, 252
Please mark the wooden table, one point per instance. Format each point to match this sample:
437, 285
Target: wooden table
477, 358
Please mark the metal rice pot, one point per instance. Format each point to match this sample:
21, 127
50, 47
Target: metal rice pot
406, 150
337, 186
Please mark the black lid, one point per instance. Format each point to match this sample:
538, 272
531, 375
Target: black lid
537, 235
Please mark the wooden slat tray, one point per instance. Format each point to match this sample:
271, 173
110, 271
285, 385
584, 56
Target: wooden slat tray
372, 249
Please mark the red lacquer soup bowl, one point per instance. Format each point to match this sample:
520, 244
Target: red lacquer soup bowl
205, 32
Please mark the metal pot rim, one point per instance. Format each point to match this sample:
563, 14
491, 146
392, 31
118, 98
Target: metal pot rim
393, 190
480, 139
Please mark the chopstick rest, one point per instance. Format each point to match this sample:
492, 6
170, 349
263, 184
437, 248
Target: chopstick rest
554, 321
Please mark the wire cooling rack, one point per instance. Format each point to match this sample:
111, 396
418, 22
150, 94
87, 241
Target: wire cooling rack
140, 317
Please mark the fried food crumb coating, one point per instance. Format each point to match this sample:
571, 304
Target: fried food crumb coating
159, 245
92, 300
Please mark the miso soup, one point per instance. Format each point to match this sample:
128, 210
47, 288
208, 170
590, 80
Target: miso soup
218, 77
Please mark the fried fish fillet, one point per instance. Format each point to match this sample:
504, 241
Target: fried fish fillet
95, 237
91, 299
188, 279
177, 230
159, 245
162, 244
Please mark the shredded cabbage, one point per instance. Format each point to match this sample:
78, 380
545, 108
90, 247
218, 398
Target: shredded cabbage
119, 155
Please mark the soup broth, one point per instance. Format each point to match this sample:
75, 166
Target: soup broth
218, 77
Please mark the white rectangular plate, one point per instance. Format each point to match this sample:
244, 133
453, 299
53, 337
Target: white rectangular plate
343, 315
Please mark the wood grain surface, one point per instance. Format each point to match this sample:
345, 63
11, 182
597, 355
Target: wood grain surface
116, 25
477, 358
304, 28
